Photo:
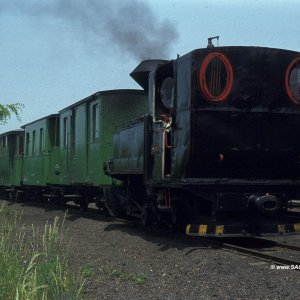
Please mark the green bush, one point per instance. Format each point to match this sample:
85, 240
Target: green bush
34, 265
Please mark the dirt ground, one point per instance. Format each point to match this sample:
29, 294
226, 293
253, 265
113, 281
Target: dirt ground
123, 262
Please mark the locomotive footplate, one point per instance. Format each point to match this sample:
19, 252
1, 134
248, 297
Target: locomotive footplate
241, 229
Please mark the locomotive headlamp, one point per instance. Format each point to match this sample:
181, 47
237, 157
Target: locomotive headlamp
292, 80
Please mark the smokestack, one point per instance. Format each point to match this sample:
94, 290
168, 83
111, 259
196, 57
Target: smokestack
141, 73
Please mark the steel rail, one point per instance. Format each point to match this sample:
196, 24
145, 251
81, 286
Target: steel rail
282, 245
262, 255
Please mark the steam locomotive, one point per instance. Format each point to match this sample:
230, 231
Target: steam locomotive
211, 145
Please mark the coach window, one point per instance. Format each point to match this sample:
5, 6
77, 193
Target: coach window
95, 122
27, 143
4, 141
33, 142
20, 145
56, 134
42, 142
65, 132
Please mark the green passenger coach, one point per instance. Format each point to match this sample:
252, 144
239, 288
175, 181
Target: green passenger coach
11, 153
41, 152
86, 130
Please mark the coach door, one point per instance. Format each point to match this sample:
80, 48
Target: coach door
79, 144
65, 145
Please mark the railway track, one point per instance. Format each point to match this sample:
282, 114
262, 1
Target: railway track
274, 252
259, 248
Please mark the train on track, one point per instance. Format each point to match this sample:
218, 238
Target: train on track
211, 144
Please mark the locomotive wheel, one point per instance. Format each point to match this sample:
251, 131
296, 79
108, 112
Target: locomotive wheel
100, 203
147, 216
58, 201
163, 219
11, 196
19, 196
175, 216
84, 204
178, 214
38, 196
115, 202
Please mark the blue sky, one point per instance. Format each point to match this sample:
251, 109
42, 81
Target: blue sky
54, 53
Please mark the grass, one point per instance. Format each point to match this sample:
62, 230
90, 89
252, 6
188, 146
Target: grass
34, 265
86, 271
136, 278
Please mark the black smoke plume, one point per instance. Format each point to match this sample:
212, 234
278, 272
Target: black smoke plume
129, 25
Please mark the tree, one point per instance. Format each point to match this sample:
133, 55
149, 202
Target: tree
7, 110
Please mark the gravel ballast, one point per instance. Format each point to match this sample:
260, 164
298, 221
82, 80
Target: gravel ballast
120, 261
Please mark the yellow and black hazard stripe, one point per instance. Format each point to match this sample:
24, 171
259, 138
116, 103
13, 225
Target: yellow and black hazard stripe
289, 228
204, 229
242, 229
